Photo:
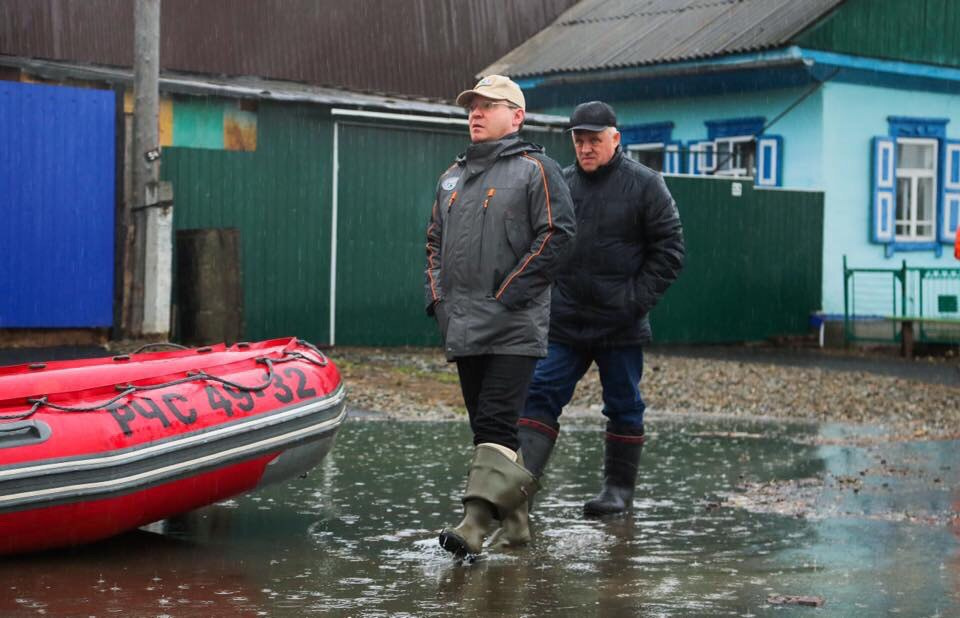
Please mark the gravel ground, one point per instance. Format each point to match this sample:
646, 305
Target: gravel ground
906, 399
405, 383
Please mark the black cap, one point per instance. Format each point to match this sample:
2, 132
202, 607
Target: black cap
592, 116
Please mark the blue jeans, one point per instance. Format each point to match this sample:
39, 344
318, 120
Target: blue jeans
556, 377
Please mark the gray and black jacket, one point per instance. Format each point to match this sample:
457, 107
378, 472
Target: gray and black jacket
629, 249
502, 223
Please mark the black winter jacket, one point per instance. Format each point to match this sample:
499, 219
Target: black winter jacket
629, 249
501, 226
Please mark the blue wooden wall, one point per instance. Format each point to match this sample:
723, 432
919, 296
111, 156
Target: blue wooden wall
57, 205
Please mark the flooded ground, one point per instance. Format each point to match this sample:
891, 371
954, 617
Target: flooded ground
730, 514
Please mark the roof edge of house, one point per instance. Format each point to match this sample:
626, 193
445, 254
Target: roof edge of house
772, 57
252, 87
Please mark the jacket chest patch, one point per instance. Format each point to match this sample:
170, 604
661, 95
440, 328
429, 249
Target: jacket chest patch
449, 183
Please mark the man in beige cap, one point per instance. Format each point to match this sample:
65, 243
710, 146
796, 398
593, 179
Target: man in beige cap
501, 225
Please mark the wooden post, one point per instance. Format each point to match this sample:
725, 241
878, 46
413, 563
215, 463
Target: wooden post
906, 338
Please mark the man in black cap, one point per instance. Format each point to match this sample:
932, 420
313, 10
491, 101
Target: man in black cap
628, 250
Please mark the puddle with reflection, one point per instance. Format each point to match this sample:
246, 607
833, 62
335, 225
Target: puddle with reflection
358, 536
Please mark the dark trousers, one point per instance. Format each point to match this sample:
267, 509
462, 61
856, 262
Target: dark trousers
494, 390
556, 377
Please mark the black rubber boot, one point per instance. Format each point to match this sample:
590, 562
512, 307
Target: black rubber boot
536, 443
621, 461
496, 486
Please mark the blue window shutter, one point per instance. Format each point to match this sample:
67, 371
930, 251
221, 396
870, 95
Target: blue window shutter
884, 201
950, 197
769, 161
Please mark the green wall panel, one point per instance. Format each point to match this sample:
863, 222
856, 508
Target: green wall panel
279, 198
753, 266
559, 146
198, 122
388, 177
914, 30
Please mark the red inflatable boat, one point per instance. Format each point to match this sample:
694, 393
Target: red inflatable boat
91, 448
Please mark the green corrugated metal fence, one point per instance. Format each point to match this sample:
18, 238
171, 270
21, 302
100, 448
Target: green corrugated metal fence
557, 145
279, 199
753, 267
386, 190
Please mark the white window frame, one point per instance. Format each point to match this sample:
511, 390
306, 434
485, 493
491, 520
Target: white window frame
702, 159
914, 175
648, 147
737, 172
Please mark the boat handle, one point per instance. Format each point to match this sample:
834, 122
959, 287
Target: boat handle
23, 433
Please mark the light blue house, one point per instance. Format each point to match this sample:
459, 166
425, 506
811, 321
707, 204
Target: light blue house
857, 98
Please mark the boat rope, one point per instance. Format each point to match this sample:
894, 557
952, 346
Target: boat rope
323, 357
192, 376
158, 344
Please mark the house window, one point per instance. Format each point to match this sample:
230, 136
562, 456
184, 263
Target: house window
915, 202
650, 155
739, 147
916, 190
735, 156
651, 145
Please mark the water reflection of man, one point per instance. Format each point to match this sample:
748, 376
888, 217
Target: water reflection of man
629, 249
502, 221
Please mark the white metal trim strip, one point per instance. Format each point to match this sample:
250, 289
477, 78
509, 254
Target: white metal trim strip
334, 207
166, 470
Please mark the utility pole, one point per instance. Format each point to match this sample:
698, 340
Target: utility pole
149, 308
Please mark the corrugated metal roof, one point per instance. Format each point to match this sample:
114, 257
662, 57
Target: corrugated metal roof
254, 88
614, 34
428, 48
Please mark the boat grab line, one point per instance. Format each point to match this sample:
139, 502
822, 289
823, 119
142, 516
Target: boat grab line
191, 376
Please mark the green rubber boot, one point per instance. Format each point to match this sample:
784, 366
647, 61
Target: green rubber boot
514, 528
466, 538
496, 486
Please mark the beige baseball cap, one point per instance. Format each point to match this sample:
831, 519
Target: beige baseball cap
496, 87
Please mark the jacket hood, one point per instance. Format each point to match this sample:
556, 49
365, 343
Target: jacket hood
520, 146
506, 146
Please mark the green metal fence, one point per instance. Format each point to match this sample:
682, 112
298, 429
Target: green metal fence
754, 263
387, 178
878, 301
278, 197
